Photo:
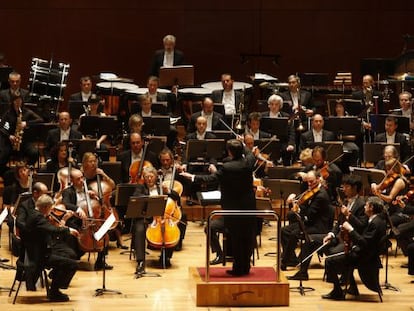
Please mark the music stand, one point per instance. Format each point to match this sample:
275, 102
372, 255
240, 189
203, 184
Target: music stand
76, 108
47, 178
223, 134
177, 75
373, 152
160, 107
283, 172
276, 126
219, 108
333, 148
83, 145
144, 207
354, 107
343, 126
96, 126
269, 146
368, 176
156, 125
156, 143
4, 77
378, 123
201, 149
113, 169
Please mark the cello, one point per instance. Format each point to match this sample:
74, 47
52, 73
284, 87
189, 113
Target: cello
163, 231
136, 168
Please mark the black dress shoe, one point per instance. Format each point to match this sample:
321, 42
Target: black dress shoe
335, 294
283, 267
236, 273
299, 276
404, 266
121, 246
216, 261
99, 266
352, 290
57, 296
140, 268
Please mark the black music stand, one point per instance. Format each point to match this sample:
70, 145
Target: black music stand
223, 134
160, 107
144, 207
269, 146
122, 194
207, 148
283, 172
76, 108
47, 178
156, 143
373, 152
276, 126
378, 123
354, 107
368, 176
156, 125
333, 149
4, 77
82, 145
177, 75
113, 169
96, 126
343, 126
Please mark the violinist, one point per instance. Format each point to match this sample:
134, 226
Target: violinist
135, 154
330, 172
352, 210
149, 188
261, 164
313, 208
364, 253
40, 249
392, 185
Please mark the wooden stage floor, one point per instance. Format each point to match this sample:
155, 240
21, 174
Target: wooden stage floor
172, 290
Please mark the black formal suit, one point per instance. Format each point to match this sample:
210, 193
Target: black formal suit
215, 122
366, 249
317, 217
305, 99
53, 137
306, 139
158, 61
76, 97
235, 178
5, 96
193, 135
399, 138
217, 97
361, 96
39, 244
125, 159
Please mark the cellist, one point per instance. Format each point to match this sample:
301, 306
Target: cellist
149, 188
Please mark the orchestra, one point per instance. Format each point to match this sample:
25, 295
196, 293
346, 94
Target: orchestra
335, 213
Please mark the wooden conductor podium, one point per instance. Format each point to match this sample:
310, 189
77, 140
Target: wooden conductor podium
263, 286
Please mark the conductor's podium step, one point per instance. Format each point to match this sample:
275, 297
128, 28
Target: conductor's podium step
258, 289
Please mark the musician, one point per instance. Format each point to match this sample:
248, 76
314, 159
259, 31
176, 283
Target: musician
391, 136
39, 245
20, 184
167, 57
364, 253
229, 97
135, 124
253, 126
64, 131
135, 153
316, 133
405, 100
390, 152
149, 188
393, 185
315, 213
368, 95
340, 109
6, 95
91, 170
352, 210
12, 139
207, 111
85, 90
156, 96
298, 97
201, 130
235, 178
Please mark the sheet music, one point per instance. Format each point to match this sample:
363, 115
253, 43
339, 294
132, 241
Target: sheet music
104, 228
3, 215
264, 76
211, 195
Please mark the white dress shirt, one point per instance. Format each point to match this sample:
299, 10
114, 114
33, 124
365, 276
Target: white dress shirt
168, 59
228, 101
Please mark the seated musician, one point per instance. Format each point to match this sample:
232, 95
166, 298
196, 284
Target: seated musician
74, 197
352, 210
316, 133
228, 96
41, 250
91, 170
299, 98
13, 123
390, 152
287, 148
364, 253
166, 160
135, 123
253, 126
391, 136
149, 188
406, 107
64, 131
330, 172
212, 117
15, 81
368, 94
393, 185
313, 209
85, 90
156, 96
200, 132
128, 157
21, 183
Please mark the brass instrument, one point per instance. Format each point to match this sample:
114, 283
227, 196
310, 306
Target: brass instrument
18, 133
239, 125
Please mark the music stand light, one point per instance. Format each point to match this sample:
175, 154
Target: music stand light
177, 75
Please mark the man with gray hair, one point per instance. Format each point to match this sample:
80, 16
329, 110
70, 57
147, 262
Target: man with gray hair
167, 57
15, 80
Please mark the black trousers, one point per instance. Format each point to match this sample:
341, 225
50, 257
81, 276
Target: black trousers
64, 269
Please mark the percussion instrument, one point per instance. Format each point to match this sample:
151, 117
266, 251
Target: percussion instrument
213, 86
111, 91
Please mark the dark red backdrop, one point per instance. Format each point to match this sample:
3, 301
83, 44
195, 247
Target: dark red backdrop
120, 36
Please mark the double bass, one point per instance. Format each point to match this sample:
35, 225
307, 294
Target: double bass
163, 231
136, 168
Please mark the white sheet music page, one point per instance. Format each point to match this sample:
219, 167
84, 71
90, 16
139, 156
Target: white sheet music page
3, 215
211, 195
104, 228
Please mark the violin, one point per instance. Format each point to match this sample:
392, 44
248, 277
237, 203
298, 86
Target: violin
304, 197
388, 181
402, 200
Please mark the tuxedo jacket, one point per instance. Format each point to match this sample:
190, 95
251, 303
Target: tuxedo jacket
53, 137
306, 139
304, 96
158, 61
125, 159
399, 138
5, 96
217, 97
76, 97
215, 122
357, 219
317, 213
